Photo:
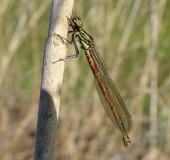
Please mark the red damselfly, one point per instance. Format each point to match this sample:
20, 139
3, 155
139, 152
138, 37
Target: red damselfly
108, 93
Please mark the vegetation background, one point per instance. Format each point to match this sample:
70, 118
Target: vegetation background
137, 58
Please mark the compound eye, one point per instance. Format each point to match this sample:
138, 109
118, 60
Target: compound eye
80, 23
77, 21
74, 19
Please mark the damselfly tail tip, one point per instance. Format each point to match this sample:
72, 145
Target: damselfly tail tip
126, 140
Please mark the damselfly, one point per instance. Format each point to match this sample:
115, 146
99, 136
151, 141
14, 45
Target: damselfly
108, 93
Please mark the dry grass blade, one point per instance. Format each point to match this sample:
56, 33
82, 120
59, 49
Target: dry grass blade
154, 75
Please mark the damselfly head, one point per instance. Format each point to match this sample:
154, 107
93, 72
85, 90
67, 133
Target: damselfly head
77, 22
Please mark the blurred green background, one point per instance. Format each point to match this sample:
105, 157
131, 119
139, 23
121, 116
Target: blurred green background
137, 58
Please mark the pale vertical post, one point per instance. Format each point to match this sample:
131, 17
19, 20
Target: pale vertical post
52, 76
